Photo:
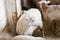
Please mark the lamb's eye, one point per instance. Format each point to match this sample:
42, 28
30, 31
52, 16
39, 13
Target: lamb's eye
27, 18
33, 20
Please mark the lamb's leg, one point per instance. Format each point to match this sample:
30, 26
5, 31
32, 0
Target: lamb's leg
43, 33
54, 24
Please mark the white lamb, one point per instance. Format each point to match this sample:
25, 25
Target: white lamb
29, 21
25, 37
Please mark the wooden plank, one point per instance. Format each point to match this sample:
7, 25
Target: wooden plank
2, 16
11, 10
18, 5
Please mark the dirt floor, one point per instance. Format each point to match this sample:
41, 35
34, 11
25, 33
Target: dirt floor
52, 38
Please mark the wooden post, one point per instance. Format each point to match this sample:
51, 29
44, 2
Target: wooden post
11, 11
2, 16
18, 5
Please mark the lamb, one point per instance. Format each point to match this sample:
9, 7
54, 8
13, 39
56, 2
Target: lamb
50, 13
29, 21
25, 37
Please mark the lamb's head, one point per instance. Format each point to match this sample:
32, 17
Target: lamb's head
44, 7
49, 11
43, 4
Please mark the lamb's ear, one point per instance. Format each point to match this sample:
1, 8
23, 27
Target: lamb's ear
22, 12
44, 4
47, 2
25, 11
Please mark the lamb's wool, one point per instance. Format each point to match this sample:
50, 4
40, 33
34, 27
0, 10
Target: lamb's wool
51, 13
24, 37
30, 19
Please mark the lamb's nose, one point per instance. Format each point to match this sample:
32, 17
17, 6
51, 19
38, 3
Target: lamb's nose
40, 28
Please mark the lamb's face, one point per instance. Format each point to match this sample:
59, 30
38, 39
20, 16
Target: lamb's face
43, 5
29, 19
